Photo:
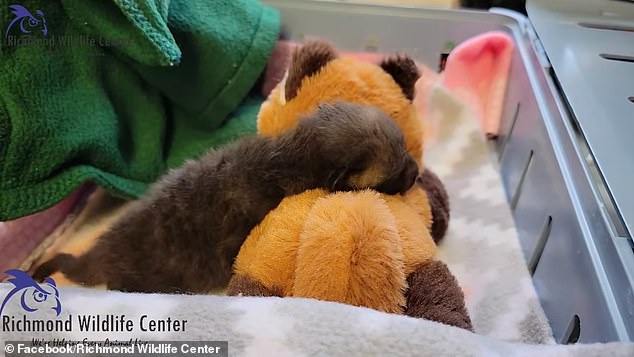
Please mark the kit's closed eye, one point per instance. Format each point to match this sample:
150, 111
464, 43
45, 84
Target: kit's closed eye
357, 167
353, 170
344, 177
338, 179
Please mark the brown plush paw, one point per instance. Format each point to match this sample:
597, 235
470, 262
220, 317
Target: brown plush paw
241, 285
434, 294
439, 202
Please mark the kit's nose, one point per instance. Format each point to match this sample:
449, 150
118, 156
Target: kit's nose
409, 176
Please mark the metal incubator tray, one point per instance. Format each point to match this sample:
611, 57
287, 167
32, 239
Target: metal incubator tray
564, 154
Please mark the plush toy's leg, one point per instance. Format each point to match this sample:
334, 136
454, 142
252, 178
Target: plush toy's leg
241, 285
439, 202
434, 294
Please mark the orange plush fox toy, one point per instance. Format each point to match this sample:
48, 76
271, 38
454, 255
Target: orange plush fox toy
361, 248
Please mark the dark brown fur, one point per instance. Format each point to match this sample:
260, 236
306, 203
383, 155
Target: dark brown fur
305, 62
241, 285
184, 235
434, 294
438, 201
404, 71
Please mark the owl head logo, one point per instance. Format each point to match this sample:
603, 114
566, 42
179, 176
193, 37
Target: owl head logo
27, 21
33, 296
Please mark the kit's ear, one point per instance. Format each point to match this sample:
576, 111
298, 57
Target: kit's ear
404, 71
306, 61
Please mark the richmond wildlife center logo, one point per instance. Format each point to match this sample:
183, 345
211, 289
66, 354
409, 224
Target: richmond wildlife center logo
32, 296
26, 21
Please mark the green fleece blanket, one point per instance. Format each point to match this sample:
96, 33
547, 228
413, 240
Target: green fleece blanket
118, 91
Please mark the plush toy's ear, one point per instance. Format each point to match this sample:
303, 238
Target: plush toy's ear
306, 61
404, 71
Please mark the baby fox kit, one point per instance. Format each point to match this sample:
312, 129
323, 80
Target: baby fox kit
185, 233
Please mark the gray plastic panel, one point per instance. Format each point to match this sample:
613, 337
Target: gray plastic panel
567, 283
597, 89
519, 175
517, 119
593, 87
536, 188
586, 267
565, 276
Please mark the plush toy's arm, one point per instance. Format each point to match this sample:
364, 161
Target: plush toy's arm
434, 294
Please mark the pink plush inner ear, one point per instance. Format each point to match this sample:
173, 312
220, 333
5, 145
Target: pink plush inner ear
477, 72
